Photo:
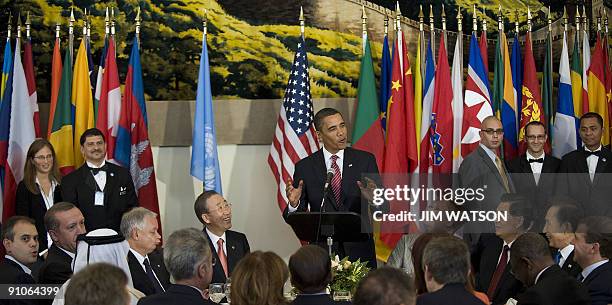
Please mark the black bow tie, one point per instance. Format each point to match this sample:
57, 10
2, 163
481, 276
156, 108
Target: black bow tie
96, 170
540, 160
592, 153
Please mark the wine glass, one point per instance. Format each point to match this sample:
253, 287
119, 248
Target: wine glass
227, 288
342, 295
215, 292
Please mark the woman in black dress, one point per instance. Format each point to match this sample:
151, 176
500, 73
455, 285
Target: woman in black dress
40, 188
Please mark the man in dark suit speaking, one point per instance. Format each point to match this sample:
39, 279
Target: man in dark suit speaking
101, 190
305, 191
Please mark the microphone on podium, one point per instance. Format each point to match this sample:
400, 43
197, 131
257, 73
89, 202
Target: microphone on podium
330, 176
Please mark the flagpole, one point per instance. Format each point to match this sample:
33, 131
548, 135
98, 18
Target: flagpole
302, 21
516, 24
85, 25
585, 22
112, 28
27, 24
599, 22
58, 28
484, 20
528, 20
432, 34
18, 28
106, 23
71, 34
444, 26
500, 25
422, 37
364, 28
88, 16
474, 22
386, 21
577, 37
398, 34
551, 118
138, 20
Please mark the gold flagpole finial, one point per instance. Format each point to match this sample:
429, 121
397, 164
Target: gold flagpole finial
112, 24
564, 19
302, 21
484, 19
398, 17
138, 19
528, 19
421, 18
28, 24
585, 21
459, 21
19, 25
500, 20
205, 22
443, 18
605, 21
549, 21
85, 23
474, 21
577, 19
364, 21
386, 22
106, 23
599, 20
89, 24
10, 26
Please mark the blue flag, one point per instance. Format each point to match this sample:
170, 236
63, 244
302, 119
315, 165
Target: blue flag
5, 109
385, 81
566, 124
204, 160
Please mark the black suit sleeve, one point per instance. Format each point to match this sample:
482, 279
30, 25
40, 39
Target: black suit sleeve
23, 201
54, 273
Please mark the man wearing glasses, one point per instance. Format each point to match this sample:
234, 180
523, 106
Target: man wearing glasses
533, 171
228, 246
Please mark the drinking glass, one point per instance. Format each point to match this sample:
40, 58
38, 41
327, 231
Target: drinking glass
342, 295
215, 292
227, 288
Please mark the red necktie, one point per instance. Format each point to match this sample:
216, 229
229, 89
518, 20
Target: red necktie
336, 181
501, 266
221, 255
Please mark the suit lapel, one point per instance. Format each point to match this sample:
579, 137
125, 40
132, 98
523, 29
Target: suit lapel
138, 274
111, 180
321, 172
602, 164
487, 160
348, 175
218, 269
88, 178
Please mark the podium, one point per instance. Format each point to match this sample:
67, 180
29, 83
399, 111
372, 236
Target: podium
339, 226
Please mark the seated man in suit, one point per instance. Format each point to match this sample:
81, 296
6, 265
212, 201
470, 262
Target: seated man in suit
491, 259
593, 251
65, 223
101, 190
346, 191
228, 246
447, 267
534, 171
561, 223
98, 284
139, 227
189, 260
386, 286
547, 283
586, 173
310, 270
20, 239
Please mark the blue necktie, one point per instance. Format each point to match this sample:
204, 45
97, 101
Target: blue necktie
151, 275
558, 257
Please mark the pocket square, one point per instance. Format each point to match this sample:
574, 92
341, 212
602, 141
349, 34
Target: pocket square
122, 190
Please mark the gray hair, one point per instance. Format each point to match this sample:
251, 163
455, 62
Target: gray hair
51, 222
448, 260
134, 218
185, 250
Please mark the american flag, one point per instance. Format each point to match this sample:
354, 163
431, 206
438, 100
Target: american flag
294, 137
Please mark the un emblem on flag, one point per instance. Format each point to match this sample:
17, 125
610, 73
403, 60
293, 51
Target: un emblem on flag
210, 168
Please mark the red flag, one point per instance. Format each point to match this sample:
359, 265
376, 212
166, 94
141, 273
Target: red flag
56, 77
28, 66
441, 129
532, 109
484, 51
109, 109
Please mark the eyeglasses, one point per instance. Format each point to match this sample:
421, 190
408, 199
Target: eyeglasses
43, 158
491, 131
223, 207
538, 137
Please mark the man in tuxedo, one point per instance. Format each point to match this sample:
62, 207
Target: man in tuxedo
305, 191
149, 275
310, 269
483, 169
101, 190
189, 260
65, 223
20, 239
98, 284
228, 246
593, 249
534, 171
491, 258
386, 286
561, 223
547, 283
447, 267
586, 172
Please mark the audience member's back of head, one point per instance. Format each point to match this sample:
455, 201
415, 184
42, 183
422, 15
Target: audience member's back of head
310, 269
184, 252
531, 245
385, 286
258, 279
417, 258
447, 260
98, 284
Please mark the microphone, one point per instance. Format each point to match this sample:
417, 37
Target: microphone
330, 176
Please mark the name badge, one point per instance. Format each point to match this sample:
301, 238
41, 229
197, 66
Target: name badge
99, 199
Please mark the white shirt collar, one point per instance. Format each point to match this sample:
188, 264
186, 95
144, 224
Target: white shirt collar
327, 155
540, 273
531, 157
586, 149
93, 166
489, 152
565, 252
139, 257
214, 238
24, 267
53, 183
66, 251
586, 271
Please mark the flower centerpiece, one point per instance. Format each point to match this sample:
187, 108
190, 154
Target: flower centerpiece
346, 275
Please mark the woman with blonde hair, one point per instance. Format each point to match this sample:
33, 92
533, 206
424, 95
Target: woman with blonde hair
258, 279
39, 189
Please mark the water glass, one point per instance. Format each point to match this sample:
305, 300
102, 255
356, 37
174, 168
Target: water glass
215, 292
342, 295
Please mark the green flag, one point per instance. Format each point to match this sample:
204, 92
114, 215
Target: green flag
547, 87
498, 79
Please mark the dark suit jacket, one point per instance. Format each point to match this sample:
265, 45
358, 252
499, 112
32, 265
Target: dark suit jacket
57, 269
599, 284
570, 266
455, 294
574, 181
11, 273
139, 276
237, 247
484, 260
33, 206
317, 299
525, 184
555, 287
79, 187
313, 172
176, 295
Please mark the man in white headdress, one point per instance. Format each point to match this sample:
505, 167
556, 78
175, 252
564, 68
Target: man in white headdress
102, 246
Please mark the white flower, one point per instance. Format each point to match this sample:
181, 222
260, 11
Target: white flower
346, 264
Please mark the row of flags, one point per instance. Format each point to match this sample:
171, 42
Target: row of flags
121, 117
426, 118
